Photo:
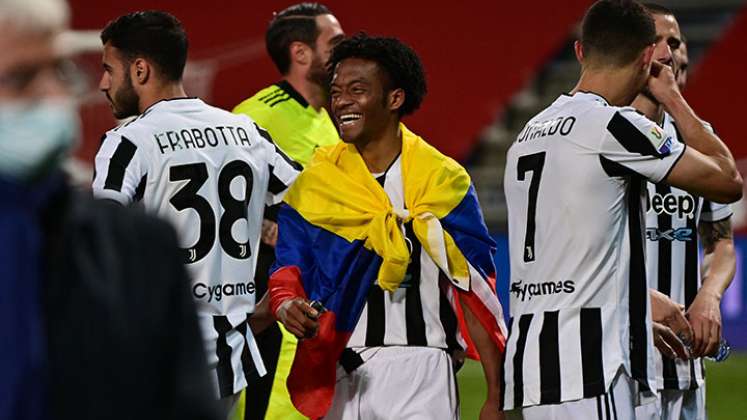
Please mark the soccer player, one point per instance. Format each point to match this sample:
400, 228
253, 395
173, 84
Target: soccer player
207, 171
299, 40
580, 342
386, 233
675, 221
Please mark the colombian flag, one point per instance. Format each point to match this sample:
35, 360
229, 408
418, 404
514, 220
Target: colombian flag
339, 234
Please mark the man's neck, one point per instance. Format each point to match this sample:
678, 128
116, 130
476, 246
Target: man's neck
616, 86
379, 153
314, 94
648, 107
163, 92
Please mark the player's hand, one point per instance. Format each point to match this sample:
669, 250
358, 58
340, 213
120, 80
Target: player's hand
489, 411
269, 232
298, 317
704, 315
662, 83
667, 342
665, 311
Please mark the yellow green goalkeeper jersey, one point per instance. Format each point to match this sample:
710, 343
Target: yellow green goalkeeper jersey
295, 126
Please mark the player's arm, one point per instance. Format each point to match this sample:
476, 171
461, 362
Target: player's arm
120, 170
491, 359
262, 317
719, 266
707, 167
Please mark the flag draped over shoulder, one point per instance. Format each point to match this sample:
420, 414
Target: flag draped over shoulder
339, 234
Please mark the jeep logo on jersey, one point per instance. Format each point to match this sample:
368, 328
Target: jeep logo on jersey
216, 292
672, 204
524, 291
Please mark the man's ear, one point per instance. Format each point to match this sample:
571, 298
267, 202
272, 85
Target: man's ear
396, 99
140, 71
648, 55
579, 49
300, 53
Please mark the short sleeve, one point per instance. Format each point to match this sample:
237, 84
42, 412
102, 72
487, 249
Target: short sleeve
639, 145
715, 212
120, 170
283, 170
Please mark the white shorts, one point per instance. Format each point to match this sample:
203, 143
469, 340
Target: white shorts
683, 405
414, 383
619, 403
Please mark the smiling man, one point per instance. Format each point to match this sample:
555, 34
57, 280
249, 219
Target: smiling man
387, 234
207, 171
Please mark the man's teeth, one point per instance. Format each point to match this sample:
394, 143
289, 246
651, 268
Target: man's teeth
349, 118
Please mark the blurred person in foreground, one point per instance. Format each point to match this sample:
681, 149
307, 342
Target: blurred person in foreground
385, 233
207, 171
299, 40
582, 337
676, 220
95, 313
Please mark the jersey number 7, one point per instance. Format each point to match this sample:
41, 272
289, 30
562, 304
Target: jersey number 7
534, 163
187, 197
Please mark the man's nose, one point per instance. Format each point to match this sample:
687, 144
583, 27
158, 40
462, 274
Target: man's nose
105, 82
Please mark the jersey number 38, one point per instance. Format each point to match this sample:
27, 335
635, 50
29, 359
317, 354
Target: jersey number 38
234, 209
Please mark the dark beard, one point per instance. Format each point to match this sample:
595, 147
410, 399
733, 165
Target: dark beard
126, 101
319, 75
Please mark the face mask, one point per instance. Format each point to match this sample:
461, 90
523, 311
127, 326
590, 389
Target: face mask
34, 138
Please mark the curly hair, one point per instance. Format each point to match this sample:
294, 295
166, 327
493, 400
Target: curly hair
401, 64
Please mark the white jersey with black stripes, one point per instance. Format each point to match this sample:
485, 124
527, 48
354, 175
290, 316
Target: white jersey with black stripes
673, 261
210, 173
418, 313
574, 185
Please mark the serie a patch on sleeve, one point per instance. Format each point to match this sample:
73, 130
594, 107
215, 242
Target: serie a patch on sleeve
661, 141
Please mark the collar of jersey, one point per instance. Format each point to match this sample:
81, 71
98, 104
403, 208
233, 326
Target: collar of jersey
168, 100
292, 92
586, 95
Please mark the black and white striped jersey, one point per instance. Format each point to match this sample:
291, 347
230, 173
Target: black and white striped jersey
418, 313
210, 173
672, 260
575, 189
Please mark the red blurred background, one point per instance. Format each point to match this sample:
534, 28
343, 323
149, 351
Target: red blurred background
476, 54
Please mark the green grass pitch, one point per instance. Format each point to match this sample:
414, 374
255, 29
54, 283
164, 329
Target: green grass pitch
726, 393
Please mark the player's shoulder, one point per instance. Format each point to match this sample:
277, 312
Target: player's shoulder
129, 131
261, 102
440, 163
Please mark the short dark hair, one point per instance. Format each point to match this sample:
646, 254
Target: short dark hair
400, 63
152, 34
616, 31
658, 9
295, 23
